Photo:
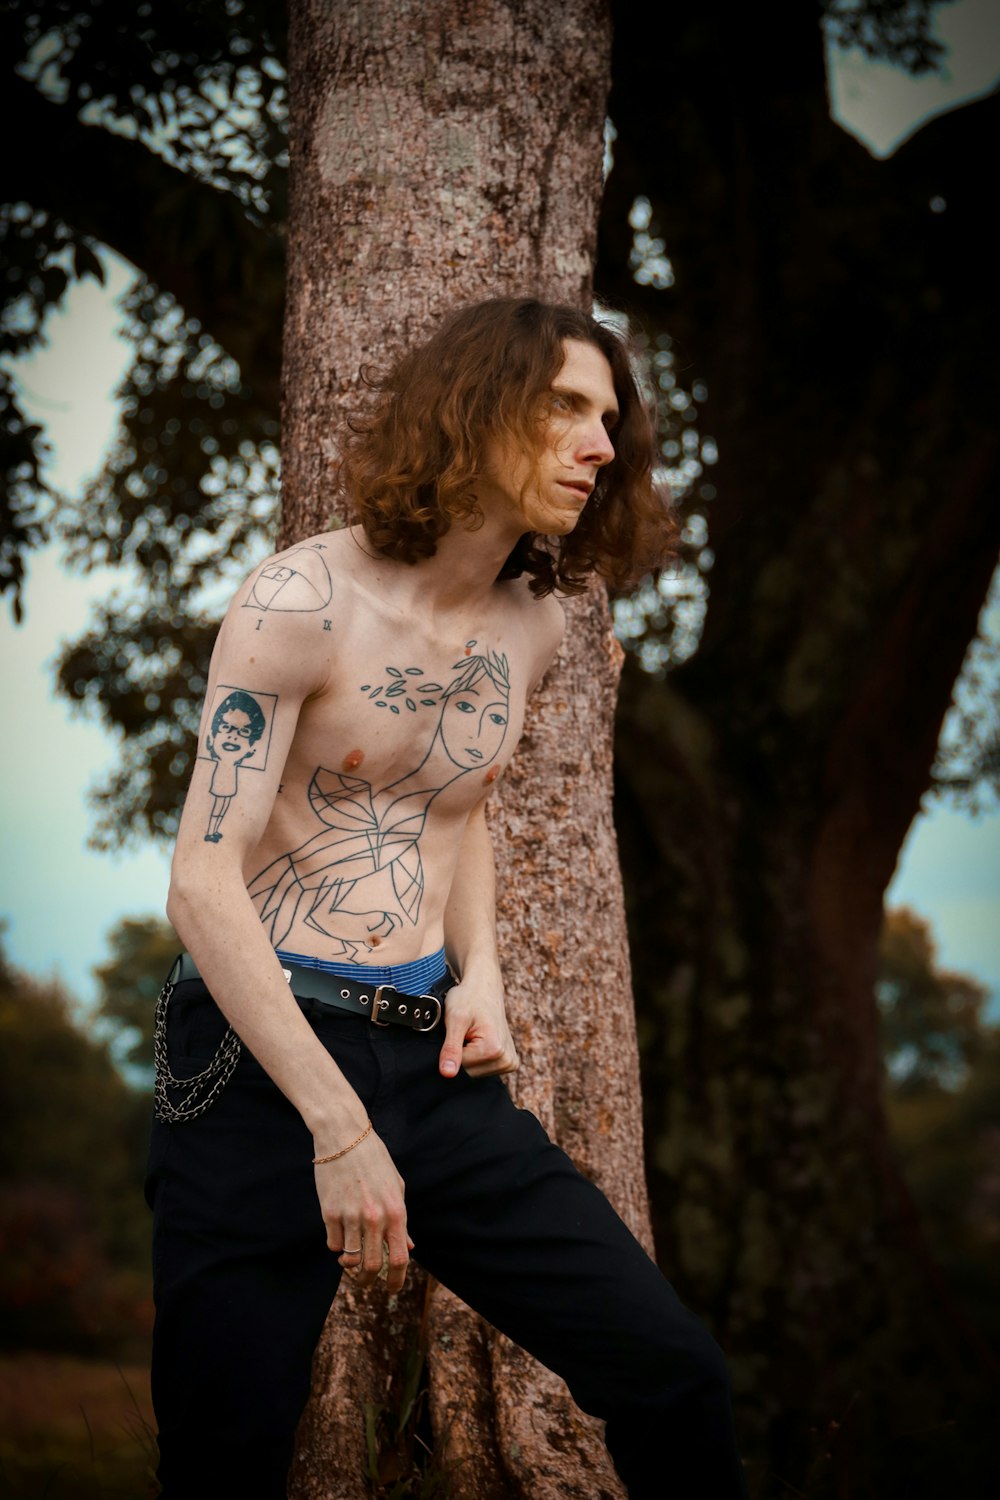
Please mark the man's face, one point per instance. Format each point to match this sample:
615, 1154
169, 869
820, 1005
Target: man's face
580, 409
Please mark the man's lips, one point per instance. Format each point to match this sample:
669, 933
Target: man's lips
578, 487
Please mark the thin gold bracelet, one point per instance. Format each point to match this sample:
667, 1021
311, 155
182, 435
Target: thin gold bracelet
318, 1161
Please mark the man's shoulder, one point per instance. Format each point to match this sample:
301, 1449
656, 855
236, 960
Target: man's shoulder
543, 623
301, 579
545, 614
284, 614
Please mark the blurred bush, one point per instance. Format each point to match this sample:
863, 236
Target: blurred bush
74, 1231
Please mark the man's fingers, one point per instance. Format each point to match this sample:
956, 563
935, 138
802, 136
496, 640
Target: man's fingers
456, 1026
373, 1238
350, 1245
488, 1048
489, 1054
366, 1221
505, 1063
487, 1051
399, 1246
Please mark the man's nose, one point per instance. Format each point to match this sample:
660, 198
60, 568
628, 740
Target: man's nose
596, 445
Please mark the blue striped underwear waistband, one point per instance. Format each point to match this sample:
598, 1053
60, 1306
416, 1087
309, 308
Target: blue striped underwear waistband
412, 978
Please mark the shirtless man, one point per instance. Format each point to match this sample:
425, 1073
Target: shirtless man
330, 1048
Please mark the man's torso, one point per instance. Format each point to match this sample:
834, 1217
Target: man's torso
414, 722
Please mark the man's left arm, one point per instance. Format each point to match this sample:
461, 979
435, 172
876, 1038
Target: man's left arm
477, 1035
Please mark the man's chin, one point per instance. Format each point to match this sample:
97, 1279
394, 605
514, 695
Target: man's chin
556, 522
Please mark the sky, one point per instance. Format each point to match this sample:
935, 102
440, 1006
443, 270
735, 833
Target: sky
61, 898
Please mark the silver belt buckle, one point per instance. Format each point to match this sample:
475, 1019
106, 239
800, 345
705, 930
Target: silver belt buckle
379, 1004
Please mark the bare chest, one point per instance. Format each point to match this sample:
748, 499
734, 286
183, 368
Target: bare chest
407, 718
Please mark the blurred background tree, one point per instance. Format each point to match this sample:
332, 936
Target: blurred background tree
158, 132
816, 317
142, 950
943, 1101
821, 329
74, 1233
931, 1019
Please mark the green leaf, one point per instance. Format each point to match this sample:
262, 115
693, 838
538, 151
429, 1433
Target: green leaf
54, 282
86, 263
372, 1412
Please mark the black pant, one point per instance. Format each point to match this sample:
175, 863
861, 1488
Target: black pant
243, 1279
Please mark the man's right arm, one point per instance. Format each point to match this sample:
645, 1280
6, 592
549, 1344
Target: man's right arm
258, 683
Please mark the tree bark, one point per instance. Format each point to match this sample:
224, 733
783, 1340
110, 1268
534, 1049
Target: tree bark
443, 152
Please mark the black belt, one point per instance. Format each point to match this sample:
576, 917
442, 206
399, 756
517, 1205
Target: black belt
382, 1004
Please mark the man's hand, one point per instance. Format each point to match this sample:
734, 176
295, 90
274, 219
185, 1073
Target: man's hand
477, 1036
361, 1198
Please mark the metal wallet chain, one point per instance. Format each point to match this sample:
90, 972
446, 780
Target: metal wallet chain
204, 1087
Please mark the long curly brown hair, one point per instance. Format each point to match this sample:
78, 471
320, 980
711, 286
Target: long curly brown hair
410, 468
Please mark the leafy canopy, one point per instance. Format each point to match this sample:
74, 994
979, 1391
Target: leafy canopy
159, 132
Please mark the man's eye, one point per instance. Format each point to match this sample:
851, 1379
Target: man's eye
464, 707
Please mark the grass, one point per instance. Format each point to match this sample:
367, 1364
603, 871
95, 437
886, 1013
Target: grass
75, 1429
400, 1462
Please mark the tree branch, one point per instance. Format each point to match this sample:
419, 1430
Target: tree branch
193, 240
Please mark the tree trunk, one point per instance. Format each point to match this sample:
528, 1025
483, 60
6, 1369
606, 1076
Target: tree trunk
443, 152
